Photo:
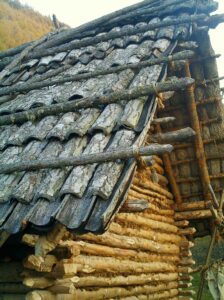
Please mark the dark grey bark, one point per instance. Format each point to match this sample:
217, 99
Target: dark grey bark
164, 120
37, 113
134, 151
25, 87
112, 35
174, 136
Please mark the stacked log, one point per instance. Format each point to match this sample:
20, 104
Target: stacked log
143, 255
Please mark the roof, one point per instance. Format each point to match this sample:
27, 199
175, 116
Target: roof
83, 198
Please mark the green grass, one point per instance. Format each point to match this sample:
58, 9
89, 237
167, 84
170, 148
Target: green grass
195, 284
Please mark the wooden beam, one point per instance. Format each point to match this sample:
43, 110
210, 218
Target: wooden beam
193, 215
198, 141
94, 101
164, 120
25, 87
173, 136
85, 159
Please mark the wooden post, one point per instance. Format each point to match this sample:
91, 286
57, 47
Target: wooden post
198, 141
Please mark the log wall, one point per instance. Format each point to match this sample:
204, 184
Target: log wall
144, 254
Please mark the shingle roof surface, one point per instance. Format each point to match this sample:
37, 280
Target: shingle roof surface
84, 198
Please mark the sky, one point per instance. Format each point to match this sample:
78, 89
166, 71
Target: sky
74, 13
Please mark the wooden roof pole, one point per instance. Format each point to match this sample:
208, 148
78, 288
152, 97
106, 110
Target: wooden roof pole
198, 141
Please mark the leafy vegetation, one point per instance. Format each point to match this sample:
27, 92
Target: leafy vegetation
195, 285
20, 24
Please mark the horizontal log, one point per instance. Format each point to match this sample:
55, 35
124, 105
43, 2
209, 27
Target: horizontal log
55, 109
112, 265
25, 87
187, 231
135, 255
164, 120
158, 198
147, 234
38, 282
173, 136
182, 223
186, 206
85, 159
98, 281
145, 222
186, 292
192, 215
111, 292
131, 242
170, 294
147, 184
186, 262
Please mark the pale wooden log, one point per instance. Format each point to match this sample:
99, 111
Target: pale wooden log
65, 288
157, 167
173, 136
85, 159
164, 120
187, 231
48, 242
165, 202
184, 270
39, 263
187, 245
55, 109
186, 262
152, 207
191, 206
163, 181
185, 253
182, 223
182, 284
137, 194
30, 239
63, 250
135, 243
102, 250
18, 88
156, 217
158, 160
118, 292
192, 215
140, 193
137, 205
162, 295
147, 234
40, 295
134, 219
147, 184
98, 281
68, 269
38, 282
113, 265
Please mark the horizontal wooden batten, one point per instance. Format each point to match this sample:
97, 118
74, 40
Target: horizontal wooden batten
25, 87
86, 159
55, 109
